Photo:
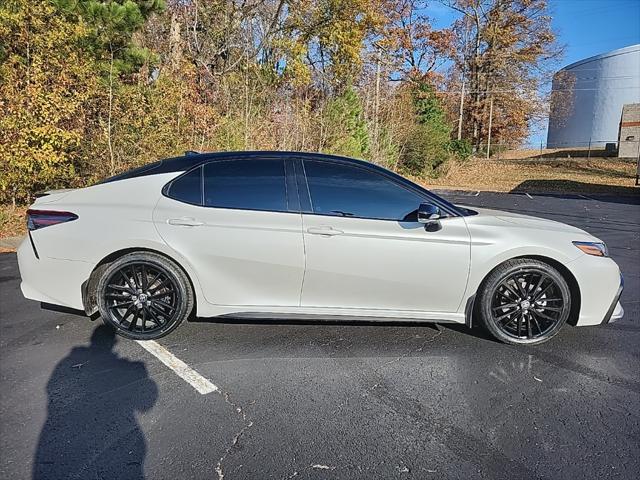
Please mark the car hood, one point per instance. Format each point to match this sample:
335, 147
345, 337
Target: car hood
487, 216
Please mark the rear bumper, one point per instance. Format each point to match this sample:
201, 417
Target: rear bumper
50, 280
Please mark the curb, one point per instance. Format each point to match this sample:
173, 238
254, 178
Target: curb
587, 195
462, 193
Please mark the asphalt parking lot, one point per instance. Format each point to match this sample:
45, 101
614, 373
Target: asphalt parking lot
329, 400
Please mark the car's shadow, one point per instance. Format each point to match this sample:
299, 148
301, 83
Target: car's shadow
368, 337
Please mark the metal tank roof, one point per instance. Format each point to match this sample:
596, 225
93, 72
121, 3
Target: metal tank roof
612, 53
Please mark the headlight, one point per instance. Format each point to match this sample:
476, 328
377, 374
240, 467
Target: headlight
599, 249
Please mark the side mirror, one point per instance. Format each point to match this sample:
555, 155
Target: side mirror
428, 213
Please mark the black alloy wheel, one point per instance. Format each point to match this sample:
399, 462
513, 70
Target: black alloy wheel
144, 296
525, 302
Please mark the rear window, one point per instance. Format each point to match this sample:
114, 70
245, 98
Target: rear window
246, 185
188, 188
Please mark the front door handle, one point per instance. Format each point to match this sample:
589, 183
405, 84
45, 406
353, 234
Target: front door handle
325, 231
185, 222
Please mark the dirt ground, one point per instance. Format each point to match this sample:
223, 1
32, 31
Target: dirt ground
582, 175
12, 222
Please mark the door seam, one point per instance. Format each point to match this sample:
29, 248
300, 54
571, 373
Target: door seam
304, 256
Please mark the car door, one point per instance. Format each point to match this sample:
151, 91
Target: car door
365, 248
238, 224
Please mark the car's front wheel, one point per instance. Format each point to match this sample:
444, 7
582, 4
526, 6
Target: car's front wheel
144, 295
524, 301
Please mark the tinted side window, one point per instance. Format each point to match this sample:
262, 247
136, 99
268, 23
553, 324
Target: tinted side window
188, 188
355, 192
246, 184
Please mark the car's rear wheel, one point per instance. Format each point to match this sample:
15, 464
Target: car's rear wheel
144, 295
524, 301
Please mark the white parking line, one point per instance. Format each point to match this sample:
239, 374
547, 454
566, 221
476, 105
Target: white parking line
528, 195
184, 371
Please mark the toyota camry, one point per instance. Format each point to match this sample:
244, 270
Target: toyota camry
287, 234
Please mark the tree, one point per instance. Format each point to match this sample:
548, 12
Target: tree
46, 81
505, 49
415, 48
332, 34
112, 24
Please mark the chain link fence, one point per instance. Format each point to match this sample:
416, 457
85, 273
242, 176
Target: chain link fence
628, 149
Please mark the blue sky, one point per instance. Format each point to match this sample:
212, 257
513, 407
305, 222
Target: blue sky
585, 27
591, 27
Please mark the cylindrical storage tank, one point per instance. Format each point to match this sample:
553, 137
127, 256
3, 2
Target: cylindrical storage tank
587, 98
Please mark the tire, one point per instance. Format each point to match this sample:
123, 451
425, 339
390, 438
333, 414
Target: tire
524, 302
144, 296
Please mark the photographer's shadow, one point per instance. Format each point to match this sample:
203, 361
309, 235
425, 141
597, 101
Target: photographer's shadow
91, 430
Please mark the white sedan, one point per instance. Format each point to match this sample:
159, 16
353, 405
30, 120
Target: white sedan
286, 234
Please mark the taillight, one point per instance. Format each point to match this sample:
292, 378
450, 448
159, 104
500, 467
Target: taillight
44, 218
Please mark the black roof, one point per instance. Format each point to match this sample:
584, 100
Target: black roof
192, 159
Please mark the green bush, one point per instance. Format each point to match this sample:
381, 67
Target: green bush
347, 132
427, 143
425, 150
461, 148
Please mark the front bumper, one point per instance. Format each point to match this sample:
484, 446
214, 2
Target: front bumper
615, 312
599, 283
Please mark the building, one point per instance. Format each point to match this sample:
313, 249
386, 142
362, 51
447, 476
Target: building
629, 137
588, 96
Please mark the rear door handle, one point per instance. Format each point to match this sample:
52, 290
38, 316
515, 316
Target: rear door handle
185, 222
326, 231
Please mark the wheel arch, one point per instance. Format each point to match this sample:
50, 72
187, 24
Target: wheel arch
88, 287
571, 280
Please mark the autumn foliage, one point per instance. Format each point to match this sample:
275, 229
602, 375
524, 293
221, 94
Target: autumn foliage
89, 88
